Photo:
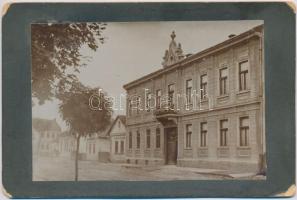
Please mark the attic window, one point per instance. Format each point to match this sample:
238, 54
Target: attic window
119, 124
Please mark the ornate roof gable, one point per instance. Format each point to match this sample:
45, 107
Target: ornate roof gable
174, 53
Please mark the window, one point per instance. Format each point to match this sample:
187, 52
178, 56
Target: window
130, 108
94, 147
203, 134
223, 81
170, 95
243, 75
138, 140
223, 132
122, 147
116, 147
158, 99
137, 105
244, 131
130, 140
148, 138
189, 86
188, 135
203, 86
158, 138
119, 124
148, 102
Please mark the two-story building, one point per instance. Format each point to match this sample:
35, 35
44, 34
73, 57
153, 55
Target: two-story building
201, 110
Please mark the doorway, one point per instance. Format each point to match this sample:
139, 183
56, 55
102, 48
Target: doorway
171, 145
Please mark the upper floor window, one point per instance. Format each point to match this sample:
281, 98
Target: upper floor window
130, 106
223, 132
138, 105
158, 99
223, 80
148, 138
203, 134
130, 140
148, 101
137, 140
189, 87
158, 138
188, 135
244, 131
243, 75
203, 86
170, 95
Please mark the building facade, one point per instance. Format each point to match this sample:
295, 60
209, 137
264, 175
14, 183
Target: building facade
201, 110
97, 147
67, 145
117, 133
45, 137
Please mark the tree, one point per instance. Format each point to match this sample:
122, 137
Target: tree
56, 54
82, 119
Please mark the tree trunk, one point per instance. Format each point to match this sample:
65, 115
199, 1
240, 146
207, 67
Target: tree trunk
76, 158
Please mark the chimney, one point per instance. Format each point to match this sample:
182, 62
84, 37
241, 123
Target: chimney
188, 55
231, 35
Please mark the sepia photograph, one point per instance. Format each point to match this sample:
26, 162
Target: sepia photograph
148, 101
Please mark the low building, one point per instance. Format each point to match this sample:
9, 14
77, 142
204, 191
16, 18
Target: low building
117, 134
67, 145
97, 147
201, 110
45, 137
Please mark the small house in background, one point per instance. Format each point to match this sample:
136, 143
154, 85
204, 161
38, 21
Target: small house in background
45, 137
117, 134
97, 147
67, 145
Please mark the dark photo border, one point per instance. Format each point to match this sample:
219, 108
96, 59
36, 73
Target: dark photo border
279, 29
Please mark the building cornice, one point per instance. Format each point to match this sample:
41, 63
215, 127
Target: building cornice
200, 112
254, 32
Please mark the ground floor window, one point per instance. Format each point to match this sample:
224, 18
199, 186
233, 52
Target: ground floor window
116, 147
148, 138
158, 138
188, 135
122, 147
203, 134
244, 131
130, 140
223, 132
137, 140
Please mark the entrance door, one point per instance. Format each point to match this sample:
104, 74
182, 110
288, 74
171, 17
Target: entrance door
171, 151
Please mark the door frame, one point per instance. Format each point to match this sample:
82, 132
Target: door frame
166, 130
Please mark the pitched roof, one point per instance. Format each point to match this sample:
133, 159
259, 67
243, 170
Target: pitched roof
45, 125
122, 118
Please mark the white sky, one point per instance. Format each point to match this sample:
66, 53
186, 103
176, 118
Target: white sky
134, 49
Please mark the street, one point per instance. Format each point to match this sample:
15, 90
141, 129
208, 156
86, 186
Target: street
58, 169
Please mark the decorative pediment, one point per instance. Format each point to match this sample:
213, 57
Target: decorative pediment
174, 53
